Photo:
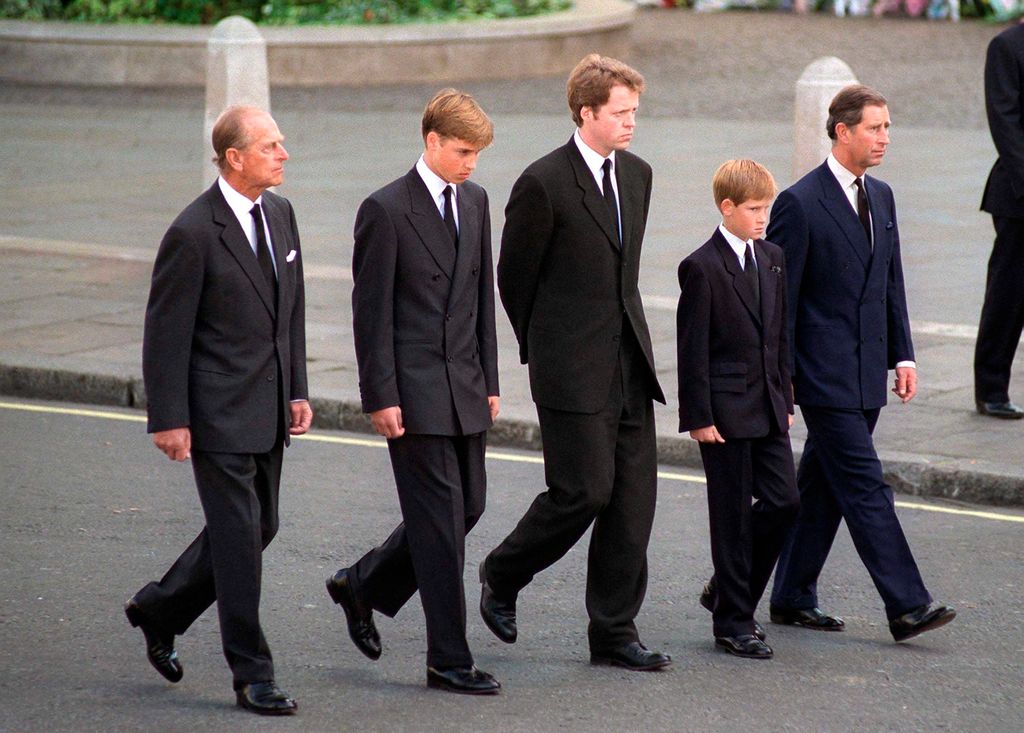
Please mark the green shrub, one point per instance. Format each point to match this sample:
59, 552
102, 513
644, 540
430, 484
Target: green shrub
278, 12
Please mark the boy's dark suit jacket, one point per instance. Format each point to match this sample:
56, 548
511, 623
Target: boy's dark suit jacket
731, 354
424, 318
565, 284
213, 349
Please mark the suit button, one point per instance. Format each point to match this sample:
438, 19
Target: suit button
270, 377
883, 301
475, 270
471, 314
448, 316
450, 358
616, 337
881, 338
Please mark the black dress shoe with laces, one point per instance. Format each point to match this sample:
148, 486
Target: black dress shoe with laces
920, 620
159, 647
747, 646
808, 618
464, 680
265, 698
707, 600
361, 628
633, 656
1005, 410
498, 613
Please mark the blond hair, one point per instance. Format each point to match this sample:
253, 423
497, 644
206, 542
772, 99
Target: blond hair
455, 114
742, 180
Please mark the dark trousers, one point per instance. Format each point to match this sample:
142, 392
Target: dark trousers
840, 477
600, 469
442, 488
239, 494
1002, 314
746, 537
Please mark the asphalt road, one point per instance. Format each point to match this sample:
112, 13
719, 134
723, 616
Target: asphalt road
91, 511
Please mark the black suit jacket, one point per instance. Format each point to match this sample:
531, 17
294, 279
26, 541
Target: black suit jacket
731, 354
213, 350
1004, 103
847, 310
424, 317
568, 288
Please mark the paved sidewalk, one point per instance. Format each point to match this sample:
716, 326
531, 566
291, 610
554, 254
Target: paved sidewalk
94, 178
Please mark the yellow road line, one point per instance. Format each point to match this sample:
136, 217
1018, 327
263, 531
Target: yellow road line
495, 455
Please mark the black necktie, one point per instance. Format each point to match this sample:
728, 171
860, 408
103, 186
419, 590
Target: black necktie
862, 209
750, 273
609, 196
449, 217
263, 251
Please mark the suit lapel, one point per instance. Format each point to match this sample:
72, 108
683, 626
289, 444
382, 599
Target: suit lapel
739, 283
835, 203
469, 238
630, 199
426, 220
881, 223
768, 280
238, 245
593, 200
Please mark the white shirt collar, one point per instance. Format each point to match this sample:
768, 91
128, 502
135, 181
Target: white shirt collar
844, 176
593, 159
436, 185
739, 246
239, 203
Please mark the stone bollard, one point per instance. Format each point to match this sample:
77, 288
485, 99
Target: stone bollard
236, 73
821, 80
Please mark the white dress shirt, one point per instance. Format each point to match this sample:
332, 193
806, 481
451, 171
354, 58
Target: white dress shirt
241, 206
739, 246
436, 185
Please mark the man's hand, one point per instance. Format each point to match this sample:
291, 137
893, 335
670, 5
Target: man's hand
175, 443
792, 419
709, 434
302, 417
494, 402
906, 383
388, 422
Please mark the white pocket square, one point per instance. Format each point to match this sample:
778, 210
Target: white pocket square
291, 256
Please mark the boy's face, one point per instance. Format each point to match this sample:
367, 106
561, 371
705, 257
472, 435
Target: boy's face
748, 220
451, 158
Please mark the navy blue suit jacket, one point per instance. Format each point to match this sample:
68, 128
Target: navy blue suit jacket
848, 322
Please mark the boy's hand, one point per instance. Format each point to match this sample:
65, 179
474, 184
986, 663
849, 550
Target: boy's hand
709, 434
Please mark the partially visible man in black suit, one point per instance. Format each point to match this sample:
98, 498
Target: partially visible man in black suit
1002, 315
736, 398
848, 326
423, 316
224, 362
567, 275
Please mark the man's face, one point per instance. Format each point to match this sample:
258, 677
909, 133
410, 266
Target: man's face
610, 126
451, 158
865, 143
748, 220
260, 164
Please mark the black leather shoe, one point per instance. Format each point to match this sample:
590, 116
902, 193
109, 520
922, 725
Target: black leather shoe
920, 620
361, 628
747, 646
464, 680
1005, 410
499, 614
159, 647
634, 656
707, 600
265, 698
809, 618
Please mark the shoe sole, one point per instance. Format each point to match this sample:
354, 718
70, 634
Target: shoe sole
802, 625
741, 655
268, 711
608, 662
936, 624
438, 685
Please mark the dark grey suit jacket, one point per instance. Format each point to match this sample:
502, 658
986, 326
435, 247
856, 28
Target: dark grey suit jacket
423, 317
568, 288
213, 351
